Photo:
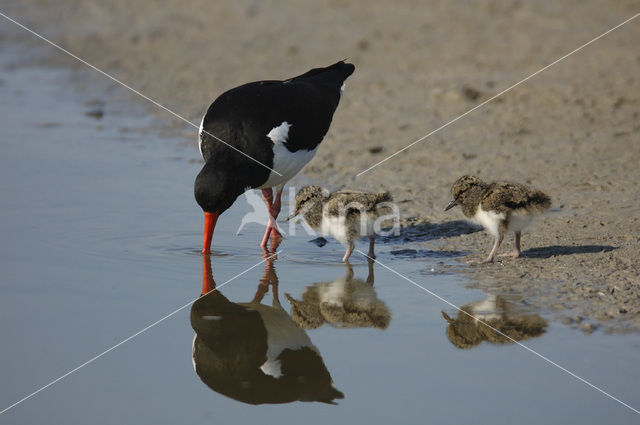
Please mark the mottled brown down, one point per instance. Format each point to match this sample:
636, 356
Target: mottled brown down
501, 197
359, 211
357, 306
332, 203
499, 207
465, 331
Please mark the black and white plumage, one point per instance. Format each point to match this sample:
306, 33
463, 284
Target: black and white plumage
255, 353
344, 214
261, 134
499, 207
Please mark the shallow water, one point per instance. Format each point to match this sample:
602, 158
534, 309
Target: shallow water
100, 239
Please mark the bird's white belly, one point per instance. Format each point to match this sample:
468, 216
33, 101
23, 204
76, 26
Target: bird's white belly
340, 227
519, 220
286, 164
334, 226
282, 333
333, 293
490, 220
486, 310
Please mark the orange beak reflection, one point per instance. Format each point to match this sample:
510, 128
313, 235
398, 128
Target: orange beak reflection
208, 284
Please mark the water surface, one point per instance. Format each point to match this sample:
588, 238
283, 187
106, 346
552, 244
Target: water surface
100, 238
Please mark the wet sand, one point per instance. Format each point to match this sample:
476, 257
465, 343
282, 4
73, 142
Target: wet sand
572, 131
111, 244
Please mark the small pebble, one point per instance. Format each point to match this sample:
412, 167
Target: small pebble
95, 113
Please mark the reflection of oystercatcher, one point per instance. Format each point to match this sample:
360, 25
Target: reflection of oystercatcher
253, 352
260, 135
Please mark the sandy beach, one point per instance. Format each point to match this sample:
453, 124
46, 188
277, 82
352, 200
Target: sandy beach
572, 131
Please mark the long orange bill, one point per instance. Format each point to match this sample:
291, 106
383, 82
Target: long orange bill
210, 220
208, 284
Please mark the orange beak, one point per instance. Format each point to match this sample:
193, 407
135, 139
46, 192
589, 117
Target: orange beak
210, 220
208, 284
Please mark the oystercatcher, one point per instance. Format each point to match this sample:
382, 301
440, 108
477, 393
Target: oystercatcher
498, 207
259, 135
255, 353
345, 214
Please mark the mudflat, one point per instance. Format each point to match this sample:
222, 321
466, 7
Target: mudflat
572, 131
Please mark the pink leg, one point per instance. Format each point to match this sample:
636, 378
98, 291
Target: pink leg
273, 206
274, 211
347, 254
371, 254
494, 250
492, 254
267, 195
516, 252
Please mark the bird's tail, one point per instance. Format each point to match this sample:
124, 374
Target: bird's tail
539, 201
384, 197
338, 72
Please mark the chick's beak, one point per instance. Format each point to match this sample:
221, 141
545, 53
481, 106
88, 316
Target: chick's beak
292, 215
451, 204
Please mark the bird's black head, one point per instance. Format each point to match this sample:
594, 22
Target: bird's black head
216, 188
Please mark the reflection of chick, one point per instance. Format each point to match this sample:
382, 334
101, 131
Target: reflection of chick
496, 311
344, 303
255, 353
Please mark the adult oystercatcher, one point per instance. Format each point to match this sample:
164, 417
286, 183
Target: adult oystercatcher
259, 135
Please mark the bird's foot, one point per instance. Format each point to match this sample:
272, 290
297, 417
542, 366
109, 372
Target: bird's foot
475, 263
270, 254
265, 238
512, 254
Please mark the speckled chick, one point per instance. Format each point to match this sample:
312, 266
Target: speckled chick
345, 214
499, 207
